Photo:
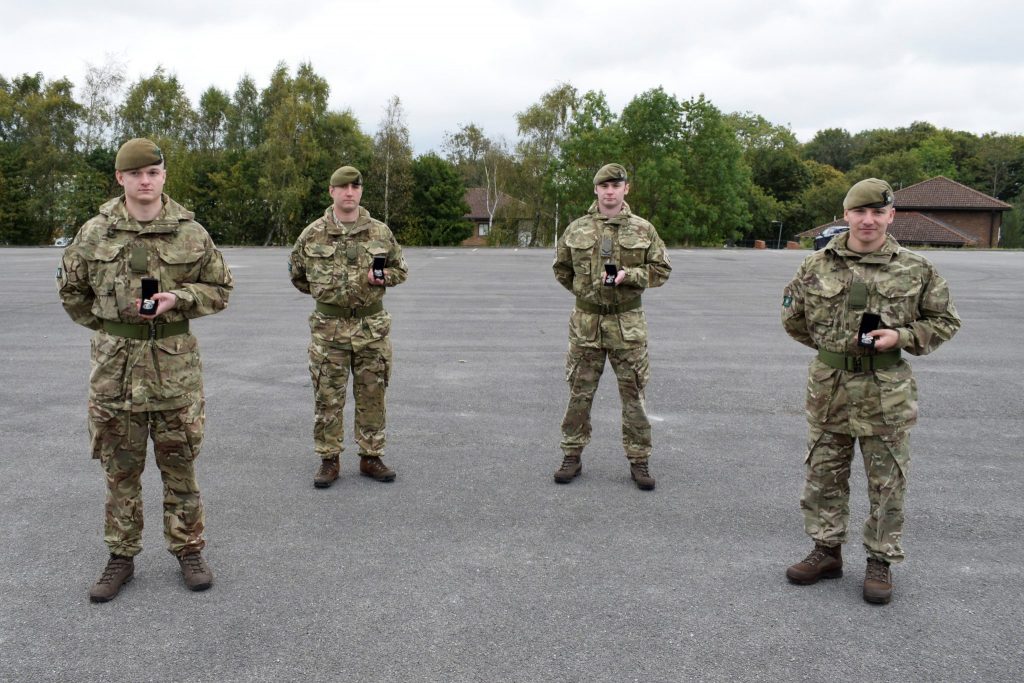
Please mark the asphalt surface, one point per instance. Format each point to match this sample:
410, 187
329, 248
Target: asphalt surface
474, 565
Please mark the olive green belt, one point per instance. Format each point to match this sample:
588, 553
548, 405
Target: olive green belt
842, 361
332, 311
608, 309
145, 330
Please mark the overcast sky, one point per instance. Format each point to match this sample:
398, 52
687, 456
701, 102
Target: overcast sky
853, 64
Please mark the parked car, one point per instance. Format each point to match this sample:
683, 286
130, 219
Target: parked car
62, 242
827, 234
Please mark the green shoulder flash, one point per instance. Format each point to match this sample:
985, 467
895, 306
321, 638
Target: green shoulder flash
787, 300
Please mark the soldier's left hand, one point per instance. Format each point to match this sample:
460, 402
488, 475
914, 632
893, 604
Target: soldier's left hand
374, 281
619, 277
165, 301
885, 339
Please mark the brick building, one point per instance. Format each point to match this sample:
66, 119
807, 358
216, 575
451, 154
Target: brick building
943, 213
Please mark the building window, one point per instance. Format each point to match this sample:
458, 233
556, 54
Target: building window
483, 229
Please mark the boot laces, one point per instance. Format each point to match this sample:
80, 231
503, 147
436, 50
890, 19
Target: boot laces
816, 556
878, 571
641, 469
194, 562
114, 567
569, 462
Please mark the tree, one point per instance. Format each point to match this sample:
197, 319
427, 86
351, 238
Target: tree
481, 161
157, 107
301, 144
212, 120
653, 151
390, 192
244, 117
99, 105
38, 123
717, 179
594, 137
999, 164
542, 128
832, 146
439, 206
900, 169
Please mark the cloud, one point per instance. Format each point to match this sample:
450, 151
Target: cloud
811, 65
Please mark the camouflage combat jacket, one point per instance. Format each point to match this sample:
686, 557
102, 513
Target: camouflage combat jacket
330, 262
911, 298
96, 282
633, 245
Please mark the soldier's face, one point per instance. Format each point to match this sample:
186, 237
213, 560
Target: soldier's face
610, 195
143, 185
868, 227
346, 197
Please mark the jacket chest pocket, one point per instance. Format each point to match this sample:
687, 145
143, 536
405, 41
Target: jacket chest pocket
898, 300
319, 264
824, 301
633, 249
368, 250
582, 248
179, 264
106, 270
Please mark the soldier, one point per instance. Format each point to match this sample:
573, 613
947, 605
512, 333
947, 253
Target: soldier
607, 259
146, 378
344, 260
860, 302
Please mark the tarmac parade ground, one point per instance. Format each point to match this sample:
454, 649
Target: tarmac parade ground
474, 565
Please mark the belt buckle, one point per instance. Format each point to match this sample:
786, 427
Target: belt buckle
152, 330
857, 364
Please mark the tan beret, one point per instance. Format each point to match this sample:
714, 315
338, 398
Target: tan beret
871, 192
610, 172
346, 175
136, 153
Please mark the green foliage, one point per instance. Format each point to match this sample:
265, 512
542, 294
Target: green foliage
832, 146
254, 163
439, 207
38, 160
1012, 232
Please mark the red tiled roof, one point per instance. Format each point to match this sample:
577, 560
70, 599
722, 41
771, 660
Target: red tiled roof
911, 227
942, 193
476, 197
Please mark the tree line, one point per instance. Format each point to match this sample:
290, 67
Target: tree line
253, 164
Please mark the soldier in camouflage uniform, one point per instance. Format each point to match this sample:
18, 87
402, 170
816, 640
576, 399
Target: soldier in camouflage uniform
146, 378
862, 389
607, 259
333, 261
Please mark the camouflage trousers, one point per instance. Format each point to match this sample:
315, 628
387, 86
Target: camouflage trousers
119, 440
583, 369
329, 367
826, 495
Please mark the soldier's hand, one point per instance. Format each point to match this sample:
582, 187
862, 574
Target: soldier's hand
374, 281
885, 339
619, 277
165, 301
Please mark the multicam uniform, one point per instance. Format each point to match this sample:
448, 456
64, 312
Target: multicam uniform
854, 394
146, 379
349, 327
609, 321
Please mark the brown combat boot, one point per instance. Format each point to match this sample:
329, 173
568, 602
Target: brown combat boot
328, 472
877, 582
119, 571
644, 480
374, 467
570, 469
823, 563
198, 575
